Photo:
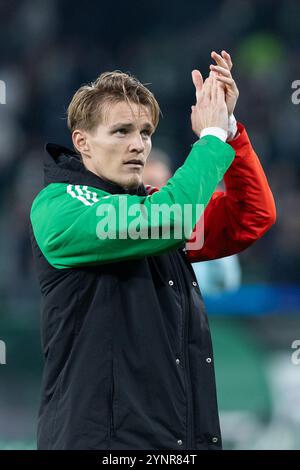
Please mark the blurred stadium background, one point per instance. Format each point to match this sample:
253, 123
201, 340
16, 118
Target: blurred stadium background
48, 49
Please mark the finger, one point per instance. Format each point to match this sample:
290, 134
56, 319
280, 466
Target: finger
221, 70
207, 82
197, 81
227, 58
220, 95
220, 83
219, 59
228, 81
214, 90
207, 88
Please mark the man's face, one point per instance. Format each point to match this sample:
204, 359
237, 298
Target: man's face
118, 148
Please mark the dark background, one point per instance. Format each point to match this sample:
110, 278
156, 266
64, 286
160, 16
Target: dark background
47, 50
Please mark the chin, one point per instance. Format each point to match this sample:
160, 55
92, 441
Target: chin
132, 183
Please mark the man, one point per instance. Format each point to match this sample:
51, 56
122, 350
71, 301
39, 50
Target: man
128, 356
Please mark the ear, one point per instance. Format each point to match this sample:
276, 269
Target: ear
80, 142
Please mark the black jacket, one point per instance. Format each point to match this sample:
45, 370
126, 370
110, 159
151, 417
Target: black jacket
128, 353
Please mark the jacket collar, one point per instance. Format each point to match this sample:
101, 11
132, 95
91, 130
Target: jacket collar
63, 165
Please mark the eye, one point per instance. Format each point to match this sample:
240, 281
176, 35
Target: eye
146, 133
121, 131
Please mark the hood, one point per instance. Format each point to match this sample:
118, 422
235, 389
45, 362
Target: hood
63, 165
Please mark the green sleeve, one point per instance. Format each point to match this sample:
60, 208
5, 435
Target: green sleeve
80, 225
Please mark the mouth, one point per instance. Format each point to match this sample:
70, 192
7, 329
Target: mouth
135, 162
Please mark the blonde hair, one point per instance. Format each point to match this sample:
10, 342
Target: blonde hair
85, 110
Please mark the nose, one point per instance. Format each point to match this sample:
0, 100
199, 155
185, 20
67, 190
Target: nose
137, 144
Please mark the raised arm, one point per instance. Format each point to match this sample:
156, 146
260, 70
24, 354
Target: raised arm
236, 218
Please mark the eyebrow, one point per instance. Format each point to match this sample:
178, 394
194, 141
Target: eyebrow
129, 125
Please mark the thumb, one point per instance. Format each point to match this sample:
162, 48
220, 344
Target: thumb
197, 80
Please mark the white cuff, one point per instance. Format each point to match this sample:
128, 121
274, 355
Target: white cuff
232, 127
216, 131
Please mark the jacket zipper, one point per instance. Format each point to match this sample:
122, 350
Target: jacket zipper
184, 302
189, 388
112, 398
